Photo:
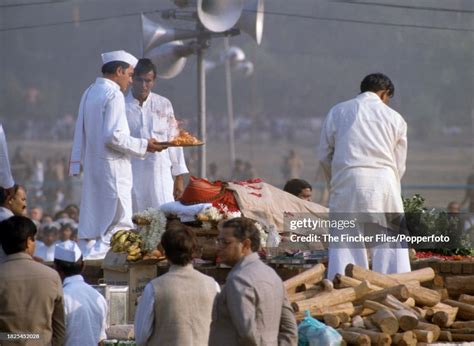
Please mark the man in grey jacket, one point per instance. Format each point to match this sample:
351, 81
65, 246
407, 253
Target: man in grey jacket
253, 308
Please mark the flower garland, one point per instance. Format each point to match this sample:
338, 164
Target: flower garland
152, 229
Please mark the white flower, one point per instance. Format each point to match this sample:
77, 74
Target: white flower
233, 214
206, 225
263, 234
151, 234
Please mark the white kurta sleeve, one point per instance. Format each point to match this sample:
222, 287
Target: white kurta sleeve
145, 316
401, 151
6, 179
116, 131
326, 147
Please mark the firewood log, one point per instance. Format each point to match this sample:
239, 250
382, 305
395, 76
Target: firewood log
407, 320
333, 298
332, 320
460, 325
421, 275
354, 338
404, 339
345, 325
400, 292
347, 308
466, 298
376, 338
465, 312
410, 302
462, 337
362, 311
445, 336
431, 327
422, 295
304, 295
386, 321
424, 335
310, 276
462, 331
394, 303
342, 281
445, 316
327, 285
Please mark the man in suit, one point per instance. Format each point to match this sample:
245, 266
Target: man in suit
253, 308
176, 308
31, 294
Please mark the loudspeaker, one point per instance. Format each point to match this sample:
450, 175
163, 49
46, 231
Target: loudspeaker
219, 15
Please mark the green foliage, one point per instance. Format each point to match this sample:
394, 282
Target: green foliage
423, 222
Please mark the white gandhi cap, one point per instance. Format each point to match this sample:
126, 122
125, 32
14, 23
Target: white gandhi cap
119, 55
67, 251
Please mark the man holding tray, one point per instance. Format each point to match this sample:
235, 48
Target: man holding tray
103, 147
151, 116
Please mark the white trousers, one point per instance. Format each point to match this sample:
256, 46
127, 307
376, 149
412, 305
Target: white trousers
386, 259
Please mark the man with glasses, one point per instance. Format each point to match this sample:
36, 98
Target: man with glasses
151, 116
253, 308
363, 148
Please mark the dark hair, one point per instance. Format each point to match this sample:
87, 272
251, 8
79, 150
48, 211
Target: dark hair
244, 228
51, 228
179, 243
69, 268
144, 65
14, 233
295, 186
377, 82
4, 193
111, 67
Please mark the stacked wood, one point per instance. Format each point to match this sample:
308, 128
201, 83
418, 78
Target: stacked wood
310, 276
422, 295
373, 308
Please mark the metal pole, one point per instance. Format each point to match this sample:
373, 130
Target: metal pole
230, 104
201, 85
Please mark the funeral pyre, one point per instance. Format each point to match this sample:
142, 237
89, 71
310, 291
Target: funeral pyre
366, 307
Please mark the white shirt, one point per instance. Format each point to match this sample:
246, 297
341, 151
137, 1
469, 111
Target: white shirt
102, 143
155, 118
6, 179
363, 150
85, 313
145, 314
45, 252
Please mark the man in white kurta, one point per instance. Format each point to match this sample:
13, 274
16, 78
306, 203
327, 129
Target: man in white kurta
150, 115
6, 179
103, 144
363, 148
85, 309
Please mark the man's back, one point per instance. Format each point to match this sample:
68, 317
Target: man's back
363, 141
183, 307
31, 299
86, 311
252, 308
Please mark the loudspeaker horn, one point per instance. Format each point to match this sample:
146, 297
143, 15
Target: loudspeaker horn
219, 15
170, 58
155, 34
251, 20
234, 54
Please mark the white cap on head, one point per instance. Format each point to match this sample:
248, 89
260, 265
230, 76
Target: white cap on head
67, 251
119, 55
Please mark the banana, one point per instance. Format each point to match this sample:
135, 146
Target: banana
117, 247
134, 257
123, 238
118, 234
